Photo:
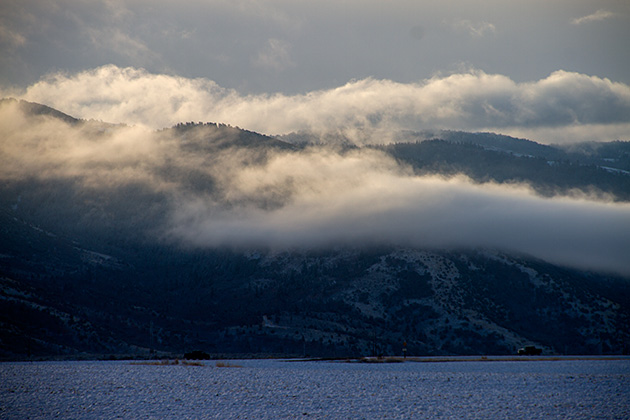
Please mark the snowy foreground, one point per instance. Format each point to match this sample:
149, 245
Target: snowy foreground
275, 389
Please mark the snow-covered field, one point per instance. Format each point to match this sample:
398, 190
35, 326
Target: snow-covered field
274, 389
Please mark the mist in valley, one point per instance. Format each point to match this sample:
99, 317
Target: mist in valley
217, 186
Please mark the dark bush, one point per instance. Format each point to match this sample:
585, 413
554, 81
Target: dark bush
197, 355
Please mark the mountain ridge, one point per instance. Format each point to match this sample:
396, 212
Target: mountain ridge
86, 271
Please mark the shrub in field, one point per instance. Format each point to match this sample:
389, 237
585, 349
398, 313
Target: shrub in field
227, 364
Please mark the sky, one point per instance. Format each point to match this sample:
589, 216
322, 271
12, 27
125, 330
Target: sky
555, 71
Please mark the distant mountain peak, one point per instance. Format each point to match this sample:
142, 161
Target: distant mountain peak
34, 109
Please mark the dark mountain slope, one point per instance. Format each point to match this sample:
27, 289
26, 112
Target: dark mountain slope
61, 299
488, 141
483, 165
87, 268
594, 168
213, 136
613, 156
35, 109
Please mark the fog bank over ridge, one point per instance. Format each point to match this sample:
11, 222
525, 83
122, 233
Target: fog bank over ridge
564, 107
314, 197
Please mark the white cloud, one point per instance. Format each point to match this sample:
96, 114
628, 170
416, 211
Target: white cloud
368, 206
367, 107
475, 29
599, 15
128, 95
361, 197
311, 198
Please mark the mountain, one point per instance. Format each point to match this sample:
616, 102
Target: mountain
596, 168
62, 299
91, 264
568, 172
32, 109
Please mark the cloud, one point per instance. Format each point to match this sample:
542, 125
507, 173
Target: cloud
366, 206
232, 42
599, 15
275, 55
10, 38
121, 43
129, 95
365, 110
310, 198
98, 155
475, 29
